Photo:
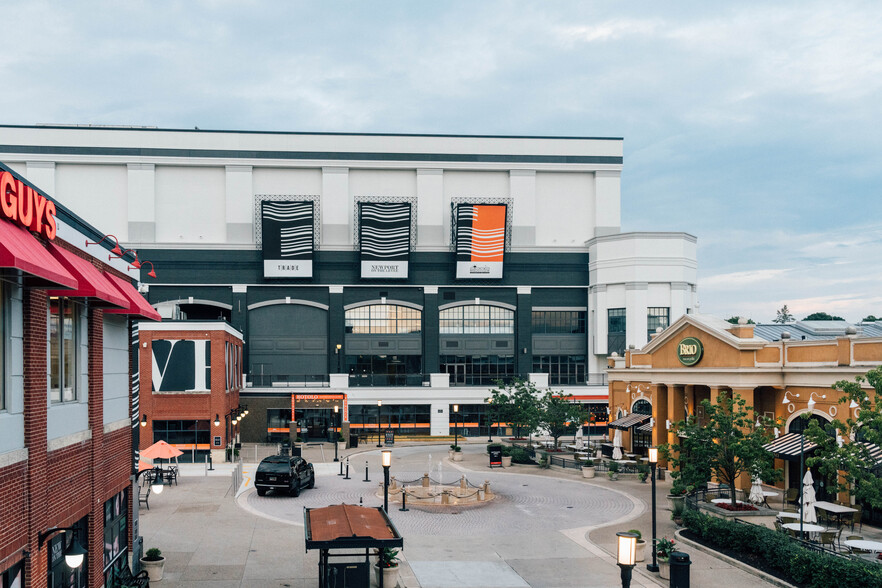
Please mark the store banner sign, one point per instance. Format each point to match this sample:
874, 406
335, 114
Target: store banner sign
480, 240
181, 365
385, 239
288, 239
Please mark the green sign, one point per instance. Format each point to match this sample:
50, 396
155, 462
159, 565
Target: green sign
689, 351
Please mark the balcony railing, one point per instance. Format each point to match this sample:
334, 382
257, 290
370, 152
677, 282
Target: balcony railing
387, 380
286, 381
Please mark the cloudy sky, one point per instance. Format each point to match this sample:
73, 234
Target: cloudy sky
755, 126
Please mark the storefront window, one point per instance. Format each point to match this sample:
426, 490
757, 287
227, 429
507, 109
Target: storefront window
384, 370
656, 317
64, 340
115, 536
561, 369
191, 437
13, 577
558, 321
476, 319
385, 319
615, 333
478, 370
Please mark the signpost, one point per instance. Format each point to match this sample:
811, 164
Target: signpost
389, 435
496, 456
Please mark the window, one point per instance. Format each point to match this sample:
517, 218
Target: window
478, 370
561, 369
383, 319
64, 341
656, 317
558, 321
476, 319
115, 534
384, 370
405, 419
615, 333
191, 437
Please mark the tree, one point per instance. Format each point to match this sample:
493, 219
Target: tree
734, 320
870, 319
559, 415
822, 316
517, 404
783, 316
726, 445
844, 463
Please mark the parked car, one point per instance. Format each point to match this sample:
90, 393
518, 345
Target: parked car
281, 472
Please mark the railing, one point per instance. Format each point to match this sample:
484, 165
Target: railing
258, 380
358, 380
255, 452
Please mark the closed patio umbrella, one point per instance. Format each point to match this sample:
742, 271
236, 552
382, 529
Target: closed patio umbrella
808, 499
579, 439
617, 445
756, 492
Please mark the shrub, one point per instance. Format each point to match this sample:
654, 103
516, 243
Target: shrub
506, 450
613, 467
520, 455
588, 463
664, 547
456, 448
153, 554
638, 533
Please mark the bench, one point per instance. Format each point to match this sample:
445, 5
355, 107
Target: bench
125, 577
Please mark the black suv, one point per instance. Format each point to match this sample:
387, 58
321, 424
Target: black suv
280, 472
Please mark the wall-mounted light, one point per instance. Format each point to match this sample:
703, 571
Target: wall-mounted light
382, 300
75, 554
477, 300
339, 347
152, 272
144, 420
116, 250
216, 420
792, 395
811, 400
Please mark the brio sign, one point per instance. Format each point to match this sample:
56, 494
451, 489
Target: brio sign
23, 205
689, 351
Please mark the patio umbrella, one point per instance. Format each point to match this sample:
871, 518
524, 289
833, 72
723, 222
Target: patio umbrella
161, 450
756, 492
808, 499
579, 437
144, 465
617, 445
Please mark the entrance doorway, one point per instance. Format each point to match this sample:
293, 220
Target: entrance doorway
315, 424
794, 475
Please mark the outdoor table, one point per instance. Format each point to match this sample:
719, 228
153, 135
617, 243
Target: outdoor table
789, 515
811, 528
836, 509
766, 495
725, 501
874, 546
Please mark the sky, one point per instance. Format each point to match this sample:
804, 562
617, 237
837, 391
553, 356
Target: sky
754, 126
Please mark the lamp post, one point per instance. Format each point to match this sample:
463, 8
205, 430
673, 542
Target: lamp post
490, 421
455, 427
336, 418
387, 462
626, 556
379, 422
339, 359
239, 413
653, 461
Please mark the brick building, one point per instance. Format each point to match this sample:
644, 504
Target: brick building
67, 312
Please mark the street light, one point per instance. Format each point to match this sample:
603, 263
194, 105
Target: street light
490, 421
626, 556
336, 416
337, 352
379, 422
653, 461
75, 554
233, 420
387, 462
455, 427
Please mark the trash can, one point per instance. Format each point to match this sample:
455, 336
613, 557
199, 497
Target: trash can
353, 439
295, 451
680, 569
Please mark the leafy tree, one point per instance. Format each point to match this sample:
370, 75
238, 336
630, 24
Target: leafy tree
734, 320
822, 316
783, 316
846, 465
559, 415
516, 404
726, 445
870, 319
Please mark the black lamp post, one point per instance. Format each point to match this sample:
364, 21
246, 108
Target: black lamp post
234, 416
387, 462
336, 418
626, 556
339, 359
455, 426
490, 422
653, 461
75, 554
379, 422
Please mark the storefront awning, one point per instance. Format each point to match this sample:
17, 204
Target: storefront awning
788, 446
626, 422
346, 526
875, 452
645, 428
19, 250
136, 304
91, 283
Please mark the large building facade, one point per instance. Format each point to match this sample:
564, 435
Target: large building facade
408, 270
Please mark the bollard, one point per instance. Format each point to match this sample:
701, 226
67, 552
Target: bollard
462, 482
403, 500
210, 464
425, 480
341, 467
366, 479
445, 497
680, 569
347, 469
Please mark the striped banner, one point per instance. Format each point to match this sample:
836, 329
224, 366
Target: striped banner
288, 240
385, 239
480, 240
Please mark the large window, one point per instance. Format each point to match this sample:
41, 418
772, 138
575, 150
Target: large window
476, 319
615, 332
558, 321
191, 437
561, 369
383, 319
384, 370
115, 536
656, 317
64, 341
478, 370
404, 419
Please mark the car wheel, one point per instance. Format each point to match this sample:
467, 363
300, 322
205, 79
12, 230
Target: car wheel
261, 491
295, 491
311, 480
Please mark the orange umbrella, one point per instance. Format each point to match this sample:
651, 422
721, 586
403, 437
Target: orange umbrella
161, 450
144, 465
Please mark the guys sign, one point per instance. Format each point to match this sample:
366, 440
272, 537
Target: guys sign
22, 204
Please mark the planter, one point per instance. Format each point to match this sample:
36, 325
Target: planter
457, 456
390, 576
613, 475
640, 553
588, 471
341, 446
154, 568
506, 461
676, 503
664, 569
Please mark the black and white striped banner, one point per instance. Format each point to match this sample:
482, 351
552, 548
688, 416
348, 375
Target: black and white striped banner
287, 239
385, 239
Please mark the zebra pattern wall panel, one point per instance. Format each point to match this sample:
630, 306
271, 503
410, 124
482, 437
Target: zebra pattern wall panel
384, 239
288, 238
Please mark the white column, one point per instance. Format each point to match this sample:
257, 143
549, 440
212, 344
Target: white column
336, 206
607, 203
430, 208
141, 203
598, 319
239, 204
522, 188
440, 419
635, 308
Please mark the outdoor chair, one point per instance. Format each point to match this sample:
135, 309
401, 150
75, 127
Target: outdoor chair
778, 526
823, 517
857, 518
828, 538
791, 509
171, 475
144, 494
792, 495
125, 577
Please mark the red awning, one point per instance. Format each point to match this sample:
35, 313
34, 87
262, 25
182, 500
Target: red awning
91, 283
137, 305
19, 250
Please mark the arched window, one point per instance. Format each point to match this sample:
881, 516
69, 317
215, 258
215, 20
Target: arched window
383, 319
642, 407
476, 319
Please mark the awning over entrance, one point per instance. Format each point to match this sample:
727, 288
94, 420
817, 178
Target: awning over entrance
19, 250
626, 422
137, 305
645, 428
788, 446
875, 452
90, 282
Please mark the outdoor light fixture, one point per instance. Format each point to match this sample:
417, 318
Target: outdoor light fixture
455, 426
792, 395
152, 272
158, 483
144, 420
853, 404
116, 250
811, 400
75, 554
216, 420
135, 264
387, 462
653, 461
626, 555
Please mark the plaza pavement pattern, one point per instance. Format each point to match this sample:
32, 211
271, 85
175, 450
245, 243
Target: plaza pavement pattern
545, 528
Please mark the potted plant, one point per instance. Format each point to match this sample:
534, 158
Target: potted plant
341, 442
641, 545
663, 549
455, 453
506, 456
613, 470
154, 563
677, 497
643, 472
390, 567
588, 470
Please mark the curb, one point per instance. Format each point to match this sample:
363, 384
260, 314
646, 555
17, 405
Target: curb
734, 562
